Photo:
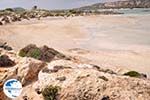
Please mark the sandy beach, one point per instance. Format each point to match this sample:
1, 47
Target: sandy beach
114, 41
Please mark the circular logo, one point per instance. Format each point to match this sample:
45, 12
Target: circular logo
12, 88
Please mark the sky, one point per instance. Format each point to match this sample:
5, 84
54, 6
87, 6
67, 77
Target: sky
48, 4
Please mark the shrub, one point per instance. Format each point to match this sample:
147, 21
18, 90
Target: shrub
30, 51
50, 92
34, 53
73, 11
34, 7
22, 53
9, 9
133, 74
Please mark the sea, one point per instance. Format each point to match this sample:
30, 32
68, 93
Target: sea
130, 11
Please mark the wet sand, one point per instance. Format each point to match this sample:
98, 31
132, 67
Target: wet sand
116, 41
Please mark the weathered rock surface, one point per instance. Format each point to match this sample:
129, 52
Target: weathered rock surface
28, 70
89, 83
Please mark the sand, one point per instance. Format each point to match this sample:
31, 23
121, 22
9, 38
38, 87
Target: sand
112, 41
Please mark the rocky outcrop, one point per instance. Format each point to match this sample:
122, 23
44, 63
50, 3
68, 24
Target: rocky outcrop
28, 69
71, 80
43, 53
5, 20
89, 83
5, 61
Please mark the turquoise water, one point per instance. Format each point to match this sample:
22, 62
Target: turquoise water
130, 11
135, 11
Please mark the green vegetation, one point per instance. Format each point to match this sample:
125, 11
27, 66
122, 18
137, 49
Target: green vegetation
35, 53
22, 53
30, 51
72, 11
19, 10
133, 74
50, 92
9, 9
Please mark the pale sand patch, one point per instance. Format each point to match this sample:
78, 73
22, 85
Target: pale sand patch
113, 41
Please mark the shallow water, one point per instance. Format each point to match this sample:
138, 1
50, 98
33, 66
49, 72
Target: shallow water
126, 33
131, 11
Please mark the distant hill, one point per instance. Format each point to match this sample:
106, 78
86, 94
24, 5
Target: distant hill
119, 4
18, 9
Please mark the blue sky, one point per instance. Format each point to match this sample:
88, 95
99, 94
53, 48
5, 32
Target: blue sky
48, 4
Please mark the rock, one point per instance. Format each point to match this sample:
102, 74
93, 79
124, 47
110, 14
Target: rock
5, 19
63, 78
25, 98
91, 84
5, 74
44, 53
15, 18
103, 70
5, 46
105, 98
28, 70
77, 80
55, 69
24, 16
103, 77
2, 95
38, 91
2, 44
49, 53
5, 61
1, 23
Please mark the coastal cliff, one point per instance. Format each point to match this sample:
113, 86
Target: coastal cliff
119, 4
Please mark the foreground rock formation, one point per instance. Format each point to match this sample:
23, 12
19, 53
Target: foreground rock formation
70, 79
